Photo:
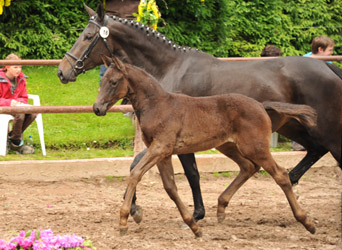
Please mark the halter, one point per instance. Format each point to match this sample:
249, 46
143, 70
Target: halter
103, 33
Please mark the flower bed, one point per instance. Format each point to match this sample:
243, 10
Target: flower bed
46, 240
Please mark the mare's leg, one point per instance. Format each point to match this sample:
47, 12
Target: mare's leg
167, 175
305, 164
191, 172
261, 156
314, 150
247, 169
153, 155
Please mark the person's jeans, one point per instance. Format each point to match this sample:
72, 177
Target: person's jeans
103, 69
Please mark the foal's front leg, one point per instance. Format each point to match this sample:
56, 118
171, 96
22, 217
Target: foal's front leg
151, 158
167, 175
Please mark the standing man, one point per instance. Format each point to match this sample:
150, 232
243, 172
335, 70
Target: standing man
121, 8
321, 46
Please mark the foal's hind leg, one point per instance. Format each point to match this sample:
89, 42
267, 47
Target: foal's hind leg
264, 158
247, 169
167, 175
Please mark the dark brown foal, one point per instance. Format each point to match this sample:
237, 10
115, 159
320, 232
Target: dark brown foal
179, 124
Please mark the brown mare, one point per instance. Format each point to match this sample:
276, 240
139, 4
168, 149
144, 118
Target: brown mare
295, 80
180, 124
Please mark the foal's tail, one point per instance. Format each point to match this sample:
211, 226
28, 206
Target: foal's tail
304, 114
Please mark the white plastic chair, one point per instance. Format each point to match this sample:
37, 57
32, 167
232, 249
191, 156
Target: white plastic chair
4, 127
274, 140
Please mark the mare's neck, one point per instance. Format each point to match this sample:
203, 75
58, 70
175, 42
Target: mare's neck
144, 47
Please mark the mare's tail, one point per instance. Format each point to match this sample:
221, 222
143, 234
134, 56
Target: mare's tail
304, 114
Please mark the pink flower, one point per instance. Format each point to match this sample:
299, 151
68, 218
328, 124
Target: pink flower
47, 241
11, 246
3, 244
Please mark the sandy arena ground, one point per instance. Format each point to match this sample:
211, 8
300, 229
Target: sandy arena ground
258, 216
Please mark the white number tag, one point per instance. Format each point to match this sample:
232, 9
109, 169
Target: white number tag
104, 32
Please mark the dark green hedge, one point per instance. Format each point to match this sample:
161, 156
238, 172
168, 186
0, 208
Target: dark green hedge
242, 28
47, 29
42, 29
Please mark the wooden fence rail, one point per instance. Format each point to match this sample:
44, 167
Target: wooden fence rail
60, 109
34, 62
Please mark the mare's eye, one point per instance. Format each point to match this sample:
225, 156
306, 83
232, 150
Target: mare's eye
88, 36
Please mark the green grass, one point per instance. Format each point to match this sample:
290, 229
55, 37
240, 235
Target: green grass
70, 136
78, 136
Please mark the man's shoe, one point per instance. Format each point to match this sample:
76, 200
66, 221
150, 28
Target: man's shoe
22, 149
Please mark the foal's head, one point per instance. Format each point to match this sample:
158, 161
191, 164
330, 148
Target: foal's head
114, 86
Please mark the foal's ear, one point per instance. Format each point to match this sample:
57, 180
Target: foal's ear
100, 11
90, 11
106, 60
119, 64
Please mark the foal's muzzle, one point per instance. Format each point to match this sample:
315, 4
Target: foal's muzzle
99, 110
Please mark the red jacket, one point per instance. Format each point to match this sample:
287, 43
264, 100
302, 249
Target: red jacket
20, 93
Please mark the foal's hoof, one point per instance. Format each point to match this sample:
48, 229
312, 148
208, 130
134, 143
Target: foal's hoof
221, 217
138, 214
311, 229
123, 231
198, 233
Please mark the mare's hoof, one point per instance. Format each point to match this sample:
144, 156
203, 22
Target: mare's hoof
138, 215
123, 231
221, 217
199, 214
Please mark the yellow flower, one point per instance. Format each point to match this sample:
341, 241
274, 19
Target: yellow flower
3, 3
148, 5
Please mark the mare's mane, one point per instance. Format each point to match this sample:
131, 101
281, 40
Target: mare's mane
151, 33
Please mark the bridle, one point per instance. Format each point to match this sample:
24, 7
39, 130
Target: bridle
103, 33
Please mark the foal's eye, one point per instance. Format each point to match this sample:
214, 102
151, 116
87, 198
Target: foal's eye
113, 83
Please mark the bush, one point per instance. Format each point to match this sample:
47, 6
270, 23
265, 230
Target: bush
42, 29
47, 29
242, 28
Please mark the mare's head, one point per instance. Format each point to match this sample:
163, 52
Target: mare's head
114, 86
84, 54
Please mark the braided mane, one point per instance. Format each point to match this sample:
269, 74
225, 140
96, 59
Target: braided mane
152, 33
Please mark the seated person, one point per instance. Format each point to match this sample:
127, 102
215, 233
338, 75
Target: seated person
13, 92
